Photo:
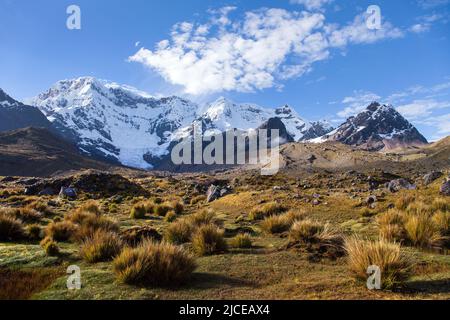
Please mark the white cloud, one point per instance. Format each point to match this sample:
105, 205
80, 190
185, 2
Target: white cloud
421, 108
428, 4
255, 53
420, 28
357, 103
312, 4
357, 32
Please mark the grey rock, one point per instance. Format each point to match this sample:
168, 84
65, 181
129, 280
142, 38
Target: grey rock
400, 184
70, 193
431, 177
445, 188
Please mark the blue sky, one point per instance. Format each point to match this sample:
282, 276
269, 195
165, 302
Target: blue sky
316, 55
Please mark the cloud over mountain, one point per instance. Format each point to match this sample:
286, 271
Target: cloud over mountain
256, 52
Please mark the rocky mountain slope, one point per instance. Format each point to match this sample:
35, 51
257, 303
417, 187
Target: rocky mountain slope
379, 127
15, 115
38, 152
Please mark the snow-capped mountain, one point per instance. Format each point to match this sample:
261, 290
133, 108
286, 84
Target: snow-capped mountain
16, 115
123, 124
379, 127
224, 114
317, 129
113, 121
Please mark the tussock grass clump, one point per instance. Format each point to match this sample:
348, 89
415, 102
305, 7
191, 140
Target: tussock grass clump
94, 223
275, 224
198, 199
40, 206
138, 211
441, 220
306, 231
50, 246
177, 207
10, 228
394, 264
91, 206
422, 232
440, 204
202, 217
391, 226
61, 231
242, 241
34, 231
26, 214
314, 232
269, 209
170, 216
102, 246
282, 223
404, 200
179, 232
418, 208
162, 209
208, 239
157, 264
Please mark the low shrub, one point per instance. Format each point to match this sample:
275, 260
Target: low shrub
395, 266
156, 264
101, 246
208, 239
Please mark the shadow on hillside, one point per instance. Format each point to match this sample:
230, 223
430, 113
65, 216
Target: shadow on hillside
431, 286
211, 281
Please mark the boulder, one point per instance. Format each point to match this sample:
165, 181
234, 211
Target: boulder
70, 193
431, 177
445, 188
215, 192
400, 184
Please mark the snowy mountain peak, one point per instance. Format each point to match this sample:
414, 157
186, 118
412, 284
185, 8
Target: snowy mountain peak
379, 127
123, 124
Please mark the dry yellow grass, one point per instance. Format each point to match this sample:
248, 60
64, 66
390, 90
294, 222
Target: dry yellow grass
159, 264
395, 265
101, 246
208, 239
